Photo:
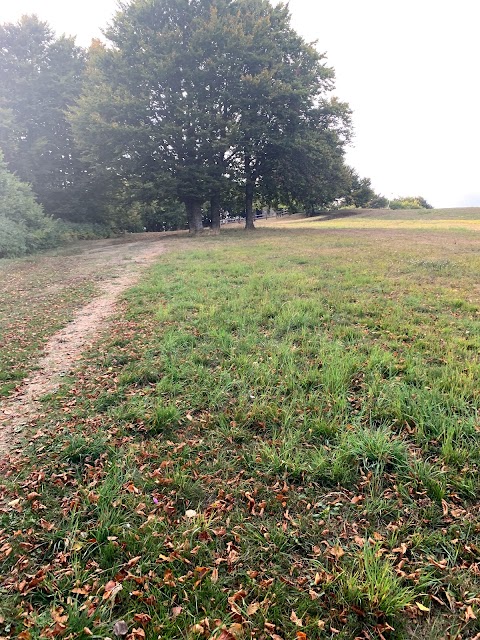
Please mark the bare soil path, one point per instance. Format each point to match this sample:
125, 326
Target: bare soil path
114, 265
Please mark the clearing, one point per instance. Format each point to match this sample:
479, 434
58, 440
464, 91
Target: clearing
277, 437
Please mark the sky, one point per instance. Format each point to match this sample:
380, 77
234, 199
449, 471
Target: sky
409, 70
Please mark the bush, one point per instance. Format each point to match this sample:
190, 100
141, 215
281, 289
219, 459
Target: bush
23, 225
12, 239
410, 202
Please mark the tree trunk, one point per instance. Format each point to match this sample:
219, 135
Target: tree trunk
194, 216
215, 212
249, 193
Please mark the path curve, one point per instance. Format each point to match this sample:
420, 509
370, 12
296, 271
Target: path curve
66, 346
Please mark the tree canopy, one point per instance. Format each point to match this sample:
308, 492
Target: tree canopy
194, 94
40, 78
189, 104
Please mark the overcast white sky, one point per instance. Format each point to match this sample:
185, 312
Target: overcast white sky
408, 68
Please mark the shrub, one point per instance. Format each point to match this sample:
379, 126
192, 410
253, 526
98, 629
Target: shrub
23, 225
410, 202
25, 228
12, 239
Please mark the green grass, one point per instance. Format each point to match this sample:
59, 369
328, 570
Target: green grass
281, 429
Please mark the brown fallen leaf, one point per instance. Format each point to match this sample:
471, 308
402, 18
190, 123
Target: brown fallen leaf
469, 615
296, 620
142, 618
337, 551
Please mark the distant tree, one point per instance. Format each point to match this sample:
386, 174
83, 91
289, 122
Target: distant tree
289, 135
151, 110
359, 190
378, 202
410, 202
308, 171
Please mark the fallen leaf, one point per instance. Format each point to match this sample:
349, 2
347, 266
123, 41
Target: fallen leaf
296, 620
469, 615
422, 607
142, 618
337, 551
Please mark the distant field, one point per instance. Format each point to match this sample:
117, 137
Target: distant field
278, 438
467, 213
467, 218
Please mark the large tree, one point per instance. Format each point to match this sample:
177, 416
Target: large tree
147, 111
308, 170
40, 78
193, 93
288, 130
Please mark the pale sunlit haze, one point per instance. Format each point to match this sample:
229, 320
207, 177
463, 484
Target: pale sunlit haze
408, 69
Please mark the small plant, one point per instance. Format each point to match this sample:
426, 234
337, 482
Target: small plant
372, 585
162, 419
80, 448
369, 449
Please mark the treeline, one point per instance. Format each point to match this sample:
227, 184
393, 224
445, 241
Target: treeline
193, 107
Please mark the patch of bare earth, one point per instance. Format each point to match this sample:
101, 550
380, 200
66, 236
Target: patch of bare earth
121, 263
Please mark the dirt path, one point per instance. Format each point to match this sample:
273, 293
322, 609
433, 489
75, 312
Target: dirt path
122, 262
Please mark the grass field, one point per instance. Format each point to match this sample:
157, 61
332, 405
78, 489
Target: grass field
279, 438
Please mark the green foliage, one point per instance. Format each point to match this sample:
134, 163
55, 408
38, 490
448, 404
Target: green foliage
40, 80
378, 202
157, 215
359, 191
194, 96
411, 202
23, 225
